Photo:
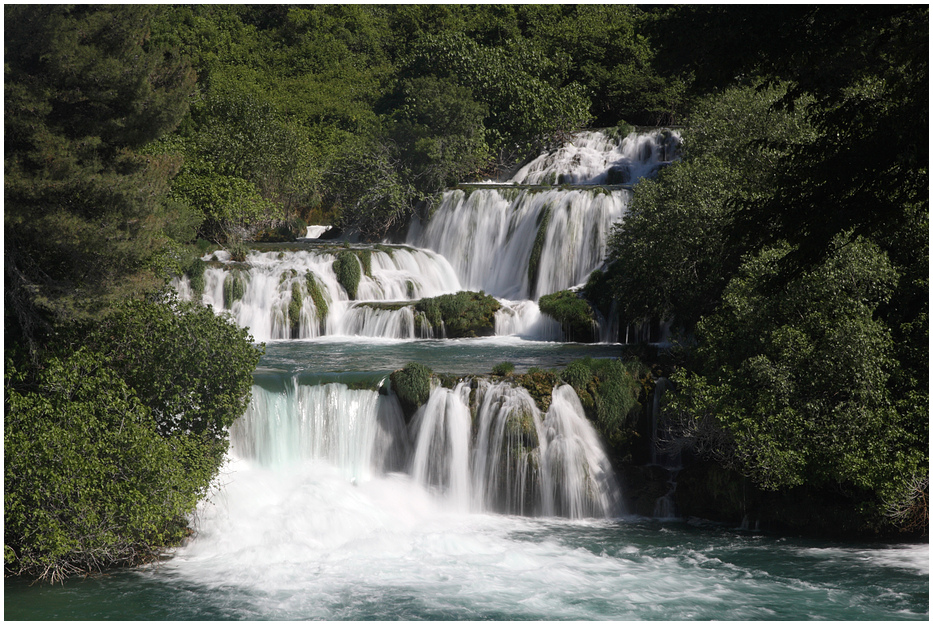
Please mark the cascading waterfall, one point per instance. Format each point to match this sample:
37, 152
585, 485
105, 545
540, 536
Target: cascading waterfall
517, 242
522, 462
510, 458
270, 281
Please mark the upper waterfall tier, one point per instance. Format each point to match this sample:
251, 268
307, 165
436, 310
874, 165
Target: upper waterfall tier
521, 243
596, 158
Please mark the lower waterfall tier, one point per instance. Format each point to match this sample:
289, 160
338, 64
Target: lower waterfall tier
487, 448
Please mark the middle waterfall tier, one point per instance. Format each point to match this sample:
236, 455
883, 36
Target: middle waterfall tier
480, 447
302, 295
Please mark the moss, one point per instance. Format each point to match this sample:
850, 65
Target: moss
320, 300
294, 310
520, 426
577, 374
573, 313
234, 288
539, 384
464, 314
543, 220
412, 386
385, 249
347, 268
366, 259
195, 273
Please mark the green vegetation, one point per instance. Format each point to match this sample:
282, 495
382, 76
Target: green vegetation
790, 247
462, 315
535, 259
294, 310
319, 299
573, 313
412, 386
234, 287
116, 397
348, 272
112, 443
503, 369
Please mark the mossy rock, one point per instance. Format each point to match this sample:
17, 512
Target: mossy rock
574, 314
348, 271
412, 386
465, 314
535, 260
539, 384
195, 273
294, 311
234, 288
320, 300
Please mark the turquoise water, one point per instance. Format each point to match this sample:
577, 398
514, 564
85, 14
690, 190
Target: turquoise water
490, 568
301, 541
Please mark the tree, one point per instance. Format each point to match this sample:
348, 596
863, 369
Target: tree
671, 256
83, 91
110, 445
792, 388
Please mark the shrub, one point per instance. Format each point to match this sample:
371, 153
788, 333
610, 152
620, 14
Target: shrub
238, 252
573, 313
503, 368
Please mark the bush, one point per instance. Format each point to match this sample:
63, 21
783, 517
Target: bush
412, 386
573, 313
503, 368
348, 272
109, 447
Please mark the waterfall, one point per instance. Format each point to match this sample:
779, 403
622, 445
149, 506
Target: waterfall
360, 432
273, 295
491, 241
519, 461
544, 231
519, 243
503, 456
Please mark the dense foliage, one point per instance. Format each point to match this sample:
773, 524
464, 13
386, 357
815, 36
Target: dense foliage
116, 398
109, 446
790, 248
355, 115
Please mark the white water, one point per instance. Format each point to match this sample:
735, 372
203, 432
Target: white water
483, 241
489, 234
519, 461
